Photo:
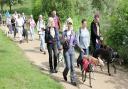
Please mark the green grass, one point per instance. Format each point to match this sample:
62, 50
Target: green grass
17, 73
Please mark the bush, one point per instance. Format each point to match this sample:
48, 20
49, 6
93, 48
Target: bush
117, 36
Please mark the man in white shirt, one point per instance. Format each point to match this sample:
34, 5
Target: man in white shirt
41, 32
19, 26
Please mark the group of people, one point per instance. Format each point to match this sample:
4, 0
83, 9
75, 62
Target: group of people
50, 37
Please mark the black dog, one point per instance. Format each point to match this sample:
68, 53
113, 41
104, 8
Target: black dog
108, 55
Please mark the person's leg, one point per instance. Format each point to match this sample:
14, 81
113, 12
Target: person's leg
72, 72
20, 34
43, 43
49, 46
33, 33
55, 56
97, 46
26, 35
67, 65
15, 31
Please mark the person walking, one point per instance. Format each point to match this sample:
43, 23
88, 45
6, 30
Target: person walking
8, 22
13, 22
56, 20
95, 32
83, 39
53, 44
41, 32
19, 26
32, 27
69, 41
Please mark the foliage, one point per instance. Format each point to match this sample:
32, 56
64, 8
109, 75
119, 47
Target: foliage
117, 36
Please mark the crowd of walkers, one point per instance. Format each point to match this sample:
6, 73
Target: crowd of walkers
53, 41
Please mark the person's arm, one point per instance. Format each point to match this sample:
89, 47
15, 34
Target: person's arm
76, 43
58, 39
59, 23
46, 35
37, 26
93, 29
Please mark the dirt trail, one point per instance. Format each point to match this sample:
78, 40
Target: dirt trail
100, 79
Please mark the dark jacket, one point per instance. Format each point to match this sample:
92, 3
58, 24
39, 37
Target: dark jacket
49, 39
94, 35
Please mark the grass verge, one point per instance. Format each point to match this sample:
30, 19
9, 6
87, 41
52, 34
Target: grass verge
17, 73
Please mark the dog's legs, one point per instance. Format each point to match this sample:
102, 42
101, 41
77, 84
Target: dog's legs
83, 75
108, 67
90, 79
114, 68
101, 67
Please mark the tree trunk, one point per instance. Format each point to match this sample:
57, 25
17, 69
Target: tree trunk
10, 8
1, 6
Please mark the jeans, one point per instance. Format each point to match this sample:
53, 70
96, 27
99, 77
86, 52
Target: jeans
42, 39
69, 64
52, 49
32, 32
14, 29
97, 46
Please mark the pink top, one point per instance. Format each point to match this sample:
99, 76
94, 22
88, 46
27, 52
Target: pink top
32, 23
56, 22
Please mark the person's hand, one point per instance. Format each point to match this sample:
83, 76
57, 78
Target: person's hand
101, 38
82, 50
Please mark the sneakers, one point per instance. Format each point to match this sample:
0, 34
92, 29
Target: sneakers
44, 52
53, 71
74, 83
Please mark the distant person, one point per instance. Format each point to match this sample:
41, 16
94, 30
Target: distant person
53, 44
95, 32
26, 29
0, 18
41, 32
13, 23
7, 14
24, 19
8, 23
19, 26
15, 15
56, 20
32, 25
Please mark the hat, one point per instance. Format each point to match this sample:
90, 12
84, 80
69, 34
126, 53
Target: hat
40, 16
69, 20
31, 16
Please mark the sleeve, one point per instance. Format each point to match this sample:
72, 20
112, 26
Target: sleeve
58, 40
77, 36
37, 26
59, 23
94, 31
75, 42
46, 35
88, 38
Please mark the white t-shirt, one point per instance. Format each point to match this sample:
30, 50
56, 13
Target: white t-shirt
19, 22
52, 32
